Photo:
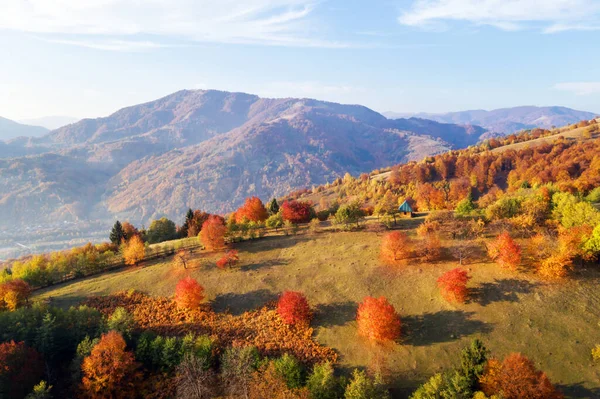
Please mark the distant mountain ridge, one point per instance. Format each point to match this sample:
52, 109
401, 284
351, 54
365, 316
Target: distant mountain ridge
506, 120
204, 149
50, 122
10, 129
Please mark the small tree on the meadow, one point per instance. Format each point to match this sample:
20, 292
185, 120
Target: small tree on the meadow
395, 246
377, 320
293, 308
117, 235
213, 232
505, 251
181, 258
432, 248
453, 285
134, 250
188, 293
229, 259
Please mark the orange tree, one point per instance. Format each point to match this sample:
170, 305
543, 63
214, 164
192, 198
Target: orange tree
453, 285
13, 294
188, 293
134, 250
516, 377
395, 246
253, 210
229, 259
505, 251
377, 320
109, 371
213, 232
21, 367
293, 308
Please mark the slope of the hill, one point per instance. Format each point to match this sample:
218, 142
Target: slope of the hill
507, 120
205, 149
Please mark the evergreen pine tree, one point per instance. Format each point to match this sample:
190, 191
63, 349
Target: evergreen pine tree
273, 207
117, 234
189, 217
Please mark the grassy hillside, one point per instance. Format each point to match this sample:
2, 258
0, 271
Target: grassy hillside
553, 324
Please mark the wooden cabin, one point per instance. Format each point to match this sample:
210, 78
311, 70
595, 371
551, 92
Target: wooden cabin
406, 210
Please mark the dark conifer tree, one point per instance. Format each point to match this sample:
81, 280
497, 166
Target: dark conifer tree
189, 218
273, 207
117, 234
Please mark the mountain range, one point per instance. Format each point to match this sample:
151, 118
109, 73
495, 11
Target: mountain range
203, 149
10, 129
50, 122
506, 120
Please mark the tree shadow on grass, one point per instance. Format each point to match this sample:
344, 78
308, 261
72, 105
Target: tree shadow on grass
265, 265
334, 314
504, 290
237, 304
577, 390
442, 326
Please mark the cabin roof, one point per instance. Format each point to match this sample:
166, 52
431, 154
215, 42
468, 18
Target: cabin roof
405, 207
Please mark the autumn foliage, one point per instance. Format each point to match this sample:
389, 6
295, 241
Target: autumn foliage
293, 308
377, 319
229, 259
253, 210
213, 232
453, 285
109, 371
505, 251
515, 378
134, 250
13, 294
395, 246
296, 211
188, 293
21, 367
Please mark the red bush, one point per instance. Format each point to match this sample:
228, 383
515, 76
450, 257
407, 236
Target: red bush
296, 211
21, 367
293, 308
188, 293
230, 259
377, 320
454, 285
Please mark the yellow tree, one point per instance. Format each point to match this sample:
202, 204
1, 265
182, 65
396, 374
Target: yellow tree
134, 250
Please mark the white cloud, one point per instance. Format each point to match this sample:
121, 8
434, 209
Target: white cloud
550, 16
579, 88
267, 22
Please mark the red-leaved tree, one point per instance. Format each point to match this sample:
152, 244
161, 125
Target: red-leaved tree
253, 210
21, 367
229, 259
188, 293
296, 211
377, 320
515, 378
293, 308
213, 232
395, 247
505, 251
109, 371
453, 285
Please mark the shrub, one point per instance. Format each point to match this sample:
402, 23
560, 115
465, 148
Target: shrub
188, 293
453, 285
296, 211
596, 353
377, 319
293, 308
314, 225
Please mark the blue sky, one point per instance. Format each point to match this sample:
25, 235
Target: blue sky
88, 58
